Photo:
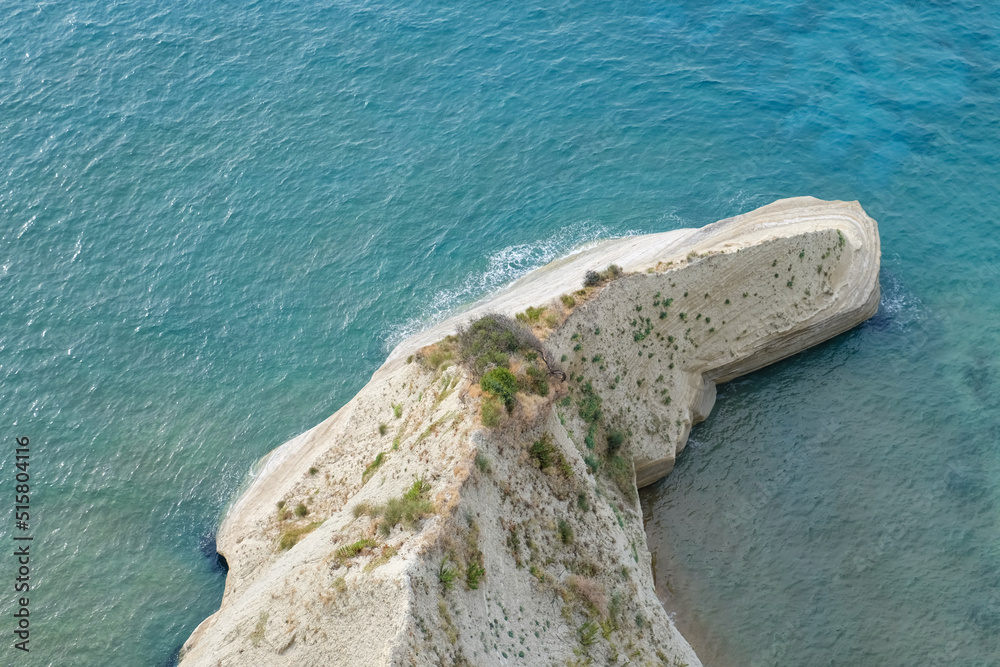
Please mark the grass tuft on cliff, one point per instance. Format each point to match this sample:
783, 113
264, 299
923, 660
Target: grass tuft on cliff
349, 551
372, 467
408, 509
289, 538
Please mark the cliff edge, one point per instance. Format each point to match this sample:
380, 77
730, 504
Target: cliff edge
404, 530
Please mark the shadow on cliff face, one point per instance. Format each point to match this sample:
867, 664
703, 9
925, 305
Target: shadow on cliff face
208, 549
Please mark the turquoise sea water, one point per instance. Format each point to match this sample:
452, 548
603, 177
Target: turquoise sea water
216, 218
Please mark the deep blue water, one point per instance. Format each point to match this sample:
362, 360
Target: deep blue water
216, 218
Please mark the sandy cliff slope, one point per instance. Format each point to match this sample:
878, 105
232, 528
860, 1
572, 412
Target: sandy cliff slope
402, 531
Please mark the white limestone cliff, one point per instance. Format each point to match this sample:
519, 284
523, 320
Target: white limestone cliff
527, 553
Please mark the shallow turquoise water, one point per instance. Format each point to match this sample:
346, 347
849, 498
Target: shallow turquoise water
216, 218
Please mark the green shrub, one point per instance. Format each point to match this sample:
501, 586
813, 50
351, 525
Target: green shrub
549, 457
473, 574
537, 380
501, 383
533, 314
407, 510
615, 439
567, 300
301, 510
397, 410
313, 470
565, 532
382, 429
589, 404
490, 340
593, 278
418, 489
483, 463
446, 575
544, 452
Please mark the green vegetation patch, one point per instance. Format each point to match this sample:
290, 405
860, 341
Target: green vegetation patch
408, 509
446, 574
474, 572
531, 315
349, 551
491, 412
589, 404
501, 383
372, 467
537, 381
289, 538
565, 532
489, 341
619, 469
548, 456
615, 439
595, 278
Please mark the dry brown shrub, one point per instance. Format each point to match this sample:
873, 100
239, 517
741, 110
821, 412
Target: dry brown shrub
591, 592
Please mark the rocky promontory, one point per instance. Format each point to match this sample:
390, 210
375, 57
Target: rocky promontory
476, 502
